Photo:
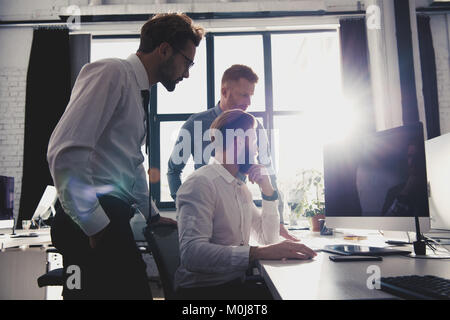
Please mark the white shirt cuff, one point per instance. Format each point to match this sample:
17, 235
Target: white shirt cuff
95, 222
240, 256
270, 206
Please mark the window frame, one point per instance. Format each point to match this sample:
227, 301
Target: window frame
268, 115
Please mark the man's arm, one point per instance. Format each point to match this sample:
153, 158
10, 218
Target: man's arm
93, 101
268, 227
196, 204
265, 158
179, 157
265, 221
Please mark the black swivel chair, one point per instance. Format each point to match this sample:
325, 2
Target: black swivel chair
54, 277
163, 243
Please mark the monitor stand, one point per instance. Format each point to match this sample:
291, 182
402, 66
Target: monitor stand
421, 244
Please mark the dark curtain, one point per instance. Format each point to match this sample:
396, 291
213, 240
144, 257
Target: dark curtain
429, 82
410, 110
356, 83
47, 95
80, 54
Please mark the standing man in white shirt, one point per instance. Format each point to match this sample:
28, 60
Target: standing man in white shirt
96, 162
217, 216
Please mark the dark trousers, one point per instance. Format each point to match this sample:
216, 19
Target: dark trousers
114, 269
233, 290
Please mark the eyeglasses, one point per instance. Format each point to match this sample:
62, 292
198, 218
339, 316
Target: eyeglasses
191, 63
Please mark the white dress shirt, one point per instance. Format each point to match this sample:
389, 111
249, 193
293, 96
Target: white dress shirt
96, 146
216, 216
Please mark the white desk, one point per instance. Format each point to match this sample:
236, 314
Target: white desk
8, 241
21, 265
322, 278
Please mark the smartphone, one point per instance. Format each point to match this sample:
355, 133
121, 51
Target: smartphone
354, 258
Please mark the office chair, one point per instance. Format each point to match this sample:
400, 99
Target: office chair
163, 243
54, 277
51, 278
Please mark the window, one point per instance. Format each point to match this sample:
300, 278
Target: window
296, 98
190, 94
168, 136
306, 91
113, 48
240, 49
304, 66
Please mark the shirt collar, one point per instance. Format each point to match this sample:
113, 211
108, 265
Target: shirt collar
222, 171
217, 109
139, 71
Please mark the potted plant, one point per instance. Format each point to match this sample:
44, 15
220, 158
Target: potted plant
307, 196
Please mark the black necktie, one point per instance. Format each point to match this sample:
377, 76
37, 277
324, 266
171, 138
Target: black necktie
145, 101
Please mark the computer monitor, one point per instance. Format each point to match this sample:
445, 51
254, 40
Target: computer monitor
437, 152
377, 181
46, 205
6, 202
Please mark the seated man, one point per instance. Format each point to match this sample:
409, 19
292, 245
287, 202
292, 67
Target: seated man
216, 216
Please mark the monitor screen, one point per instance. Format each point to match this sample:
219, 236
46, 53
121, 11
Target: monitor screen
377, 175
438, 174
6, 198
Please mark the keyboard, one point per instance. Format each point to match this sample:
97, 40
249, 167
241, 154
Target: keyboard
417, 287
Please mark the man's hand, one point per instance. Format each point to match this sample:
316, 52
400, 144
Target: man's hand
96, 238
258, 174
284, 250
285, 233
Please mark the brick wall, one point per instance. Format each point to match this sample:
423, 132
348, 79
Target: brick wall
12, 121
441, 43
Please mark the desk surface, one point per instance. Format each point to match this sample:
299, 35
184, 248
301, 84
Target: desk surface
8, 242
322, 278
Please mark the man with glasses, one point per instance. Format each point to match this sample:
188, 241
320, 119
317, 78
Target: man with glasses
96, 162
237, 88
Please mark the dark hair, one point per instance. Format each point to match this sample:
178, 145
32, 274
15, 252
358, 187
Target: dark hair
237, 71
173, 28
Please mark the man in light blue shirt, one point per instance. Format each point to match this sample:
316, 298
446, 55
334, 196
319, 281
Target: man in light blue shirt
237, 88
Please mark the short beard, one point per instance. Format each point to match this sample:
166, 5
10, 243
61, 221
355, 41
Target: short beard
169, 85
165, 74
245, 167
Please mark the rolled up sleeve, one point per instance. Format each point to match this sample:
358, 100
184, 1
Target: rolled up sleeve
266, 223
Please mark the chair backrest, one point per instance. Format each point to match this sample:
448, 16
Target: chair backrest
163, 242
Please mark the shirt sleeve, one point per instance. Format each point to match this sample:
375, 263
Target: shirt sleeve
95, 96
141, 192
195, 205
265, 158
266, 223
179, 157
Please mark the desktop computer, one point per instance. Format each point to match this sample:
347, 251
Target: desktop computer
377, 181
437, 152
6, 202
